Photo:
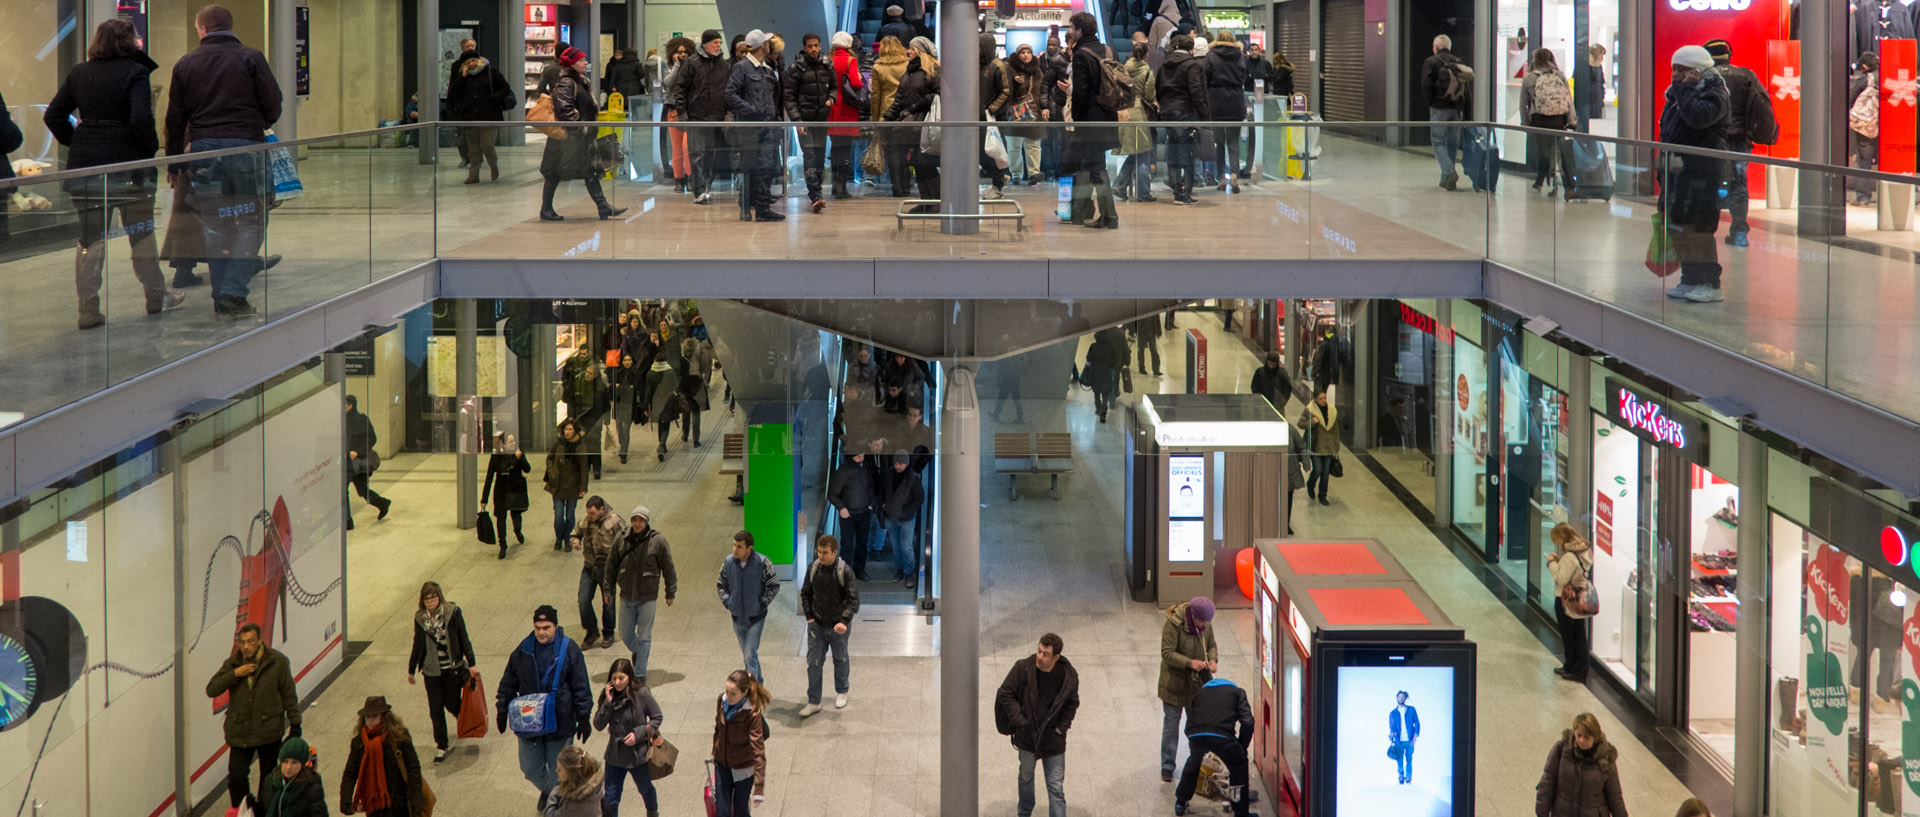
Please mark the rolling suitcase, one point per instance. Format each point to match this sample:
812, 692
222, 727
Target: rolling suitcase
712, 811
1480, 159
1585, 172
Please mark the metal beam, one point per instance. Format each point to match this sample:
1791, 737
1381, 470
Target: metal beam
959, 102
959, 463
1750, 682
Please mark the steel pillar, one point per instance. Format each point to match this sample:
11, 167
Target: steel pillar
959, 462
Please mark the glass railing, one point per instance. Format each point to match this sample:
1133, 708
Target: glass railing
1836, 306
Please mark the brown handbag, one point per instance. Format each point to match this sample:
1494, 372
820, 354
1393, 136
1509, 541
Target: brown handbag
427, 800
542, 111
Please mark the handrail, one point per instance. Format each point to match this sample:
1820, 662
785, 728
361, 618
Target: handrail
159, 162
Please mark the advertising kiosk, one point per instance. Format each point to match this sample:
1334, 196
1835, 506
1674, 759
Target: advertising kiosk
1341, 632
1204, 480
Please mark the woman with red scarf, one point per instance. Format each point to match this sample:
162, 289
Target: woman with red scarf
382, 778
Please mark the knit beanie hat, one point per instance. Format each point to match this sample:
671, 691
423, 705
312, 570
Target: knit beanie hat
842, 39
1199, 612
546, 613
1720, 50
1693, 56
294, 749
572, 56
710, 35
924, 46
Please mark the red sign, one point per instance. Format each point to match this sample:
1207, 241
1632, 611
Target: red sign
1897, 76
1199, 347
1603, 523
1425, 323
1782, 82
1828, 584
1646, 416
1910, 638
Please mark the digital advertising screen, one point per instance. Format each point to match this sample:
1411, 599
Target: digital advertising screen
1186, 486
1396, 722
1186, 540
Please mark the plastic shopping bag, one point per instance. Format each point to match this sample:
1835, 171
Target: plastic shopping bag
1662, 259
286, 177
996, 146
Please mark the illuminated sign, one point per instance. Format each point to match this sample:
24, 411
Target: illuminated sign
1425, 323
1214, 20
1645, 416
1709, 5
1650, 420
1222, 435
1301, 633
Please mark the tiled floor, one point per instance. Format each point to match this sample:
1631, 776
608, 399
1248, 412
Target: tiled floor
1045, 565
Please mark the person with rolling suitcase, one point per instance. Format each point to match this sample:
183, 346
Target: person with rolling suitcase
739, 746
1546, 101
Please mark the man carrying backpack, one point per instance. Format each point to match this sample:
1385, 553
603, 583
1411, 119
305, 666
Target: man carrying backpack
1448, 84
1751, 122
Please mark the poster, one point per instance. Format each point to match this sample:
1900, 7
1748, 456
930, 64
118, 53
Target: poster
450, 39
1186, 540
1603, 522
1827, 650
1395, 741
1186, 486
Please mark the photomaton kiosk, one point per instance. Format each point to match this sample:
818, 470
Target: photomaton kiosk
1341, 630
1204, 480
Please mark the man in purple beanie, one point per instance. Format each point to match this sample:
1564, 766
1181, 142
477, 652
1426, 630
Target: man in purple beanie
1188, 658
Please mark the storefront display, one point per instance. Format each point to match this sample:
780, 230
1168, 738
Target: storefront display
1408, 337
1470, 426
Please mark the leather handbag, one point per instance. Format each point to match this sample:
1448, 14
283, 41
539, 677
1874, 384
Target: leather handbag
483, 527
661, 759
542, 111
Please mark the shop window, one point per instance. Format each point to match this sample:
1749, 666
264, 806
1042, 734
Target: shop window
1818, 655
1713, 609
1472, 414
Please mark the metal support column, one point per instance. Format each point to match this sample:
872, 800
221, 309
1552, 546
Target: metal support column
1750, 682
1580, 448
170, 463
283, 61
426, 73
1316, 45
512, 60
466, 437
959, 462
960, 102
1482, 54
596, 61
1443, 406
1823, 114
1366, 373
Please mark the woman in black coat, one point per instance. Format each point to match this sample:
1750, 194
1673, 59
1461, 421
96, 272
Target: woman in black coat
1226, 102
478, 93
443, 652
913, 102
111, 93
572, 157
1086, 154
509, 466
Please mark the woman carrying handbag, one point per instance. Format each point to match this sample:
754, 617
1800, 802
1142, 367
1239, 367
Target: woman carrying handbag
631, 718
1572, 567
444, 653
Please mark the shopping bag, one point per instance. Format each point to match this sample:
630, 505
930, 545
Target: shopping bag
661, 758
286, 177
542, 111
875, 160
483, 527
996, 146
1662, 259
242, 810
473, 708
930, 135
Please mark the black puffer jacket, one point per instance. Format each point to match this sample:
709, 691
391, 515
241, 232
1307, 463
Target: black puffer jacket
1226, 76
917, 90
115, 101
700, 87
480, 95
808, 89
635, 713
1054, 66
1695, 115
626, 75
1182, 88
1580, 784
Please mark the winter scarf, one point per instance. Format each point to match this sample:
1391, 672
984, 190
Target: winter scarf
370, 791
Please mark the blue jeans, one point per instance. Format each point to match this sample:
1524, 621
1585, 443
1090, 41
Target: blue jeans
819, 639
1406, 760
540, 760
1322, 473
588, 622
1446, 141
732, 798
900, 538
748, 632
1169, 734
1055, 768
564, 517
616, 780
636, 631
231, 194
1737, 202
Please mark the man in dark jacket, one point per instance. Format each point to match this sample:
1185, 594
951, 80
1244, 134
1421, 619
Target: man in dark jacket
995, 85
1054, 65
1181, 91
626, 75
1106, 361
1750, 121
1086, 156
1217, 710
896, 26
639, 563
224, 94
753, 95
262, 707
546, 662
1695, 116
699, 94
1446, 102
1272, 382
1146, 337
362, 460
829, 599
478, 93
809, 94
901, 495
850, 491
747, 586
1226, 102
1035, 705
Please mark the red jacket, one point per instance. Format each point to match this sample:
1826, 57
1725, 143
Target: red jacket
846, 68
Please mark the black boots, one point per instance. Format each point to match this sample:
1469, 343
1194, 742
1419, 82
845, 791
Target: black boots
607, 210
547, 214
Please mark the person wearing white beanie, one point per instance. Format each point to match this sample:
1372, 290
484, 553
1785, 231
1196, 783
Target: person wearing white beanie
1696, 115
841, 39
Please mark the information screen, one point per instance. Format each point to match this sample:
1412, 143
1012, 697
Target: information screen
1186, 540
1186, 486
1395, 755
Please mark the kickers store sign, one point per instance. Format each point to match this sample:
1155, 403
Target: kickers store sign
1650, 419
1710, 5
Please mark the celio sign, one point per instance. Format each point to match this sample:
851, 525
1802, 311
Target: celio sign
1709, 5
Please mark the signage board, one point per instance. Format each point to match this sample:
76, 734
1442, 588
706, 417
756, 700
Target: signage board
1651, 419
303, 51
1217, 19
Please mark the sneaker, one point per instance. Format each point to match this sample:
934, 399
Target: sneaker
818, 205
768, 215
1166, 775
1451, 180
759, 798
439, 755
840, 701
993, 194
1680, 292
703, 198
1705, 295
1738, 239
809, 710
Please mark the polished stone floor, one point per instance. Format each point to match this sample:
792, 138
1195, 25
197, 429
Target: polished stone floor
1045, 566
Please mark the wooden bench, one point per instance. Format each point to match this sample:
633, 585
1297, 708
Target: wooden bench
1044, 452
733, 460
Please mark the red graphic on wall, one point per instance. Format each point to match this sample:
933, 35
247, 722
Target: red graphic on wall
1603, 522
1897, 82
1782, 82
1910, 638
1828, 584
1462, 394
263, 582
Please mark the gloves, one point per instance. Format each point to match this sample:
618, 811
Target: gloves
500, 722
293, 731
584, 731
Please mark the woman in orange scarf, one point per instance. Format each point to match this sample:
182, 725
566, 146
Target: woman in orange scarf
382, 777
